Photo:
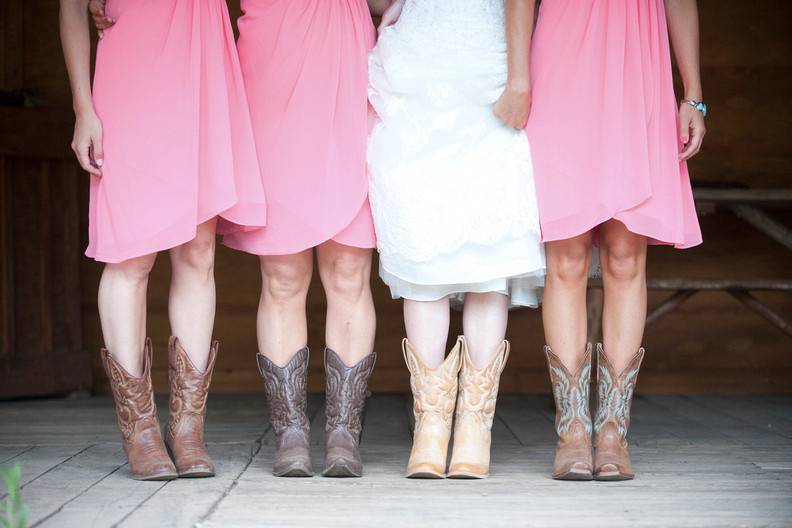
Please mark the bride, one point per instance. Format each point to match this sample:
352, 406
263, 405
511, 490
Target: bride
452, 193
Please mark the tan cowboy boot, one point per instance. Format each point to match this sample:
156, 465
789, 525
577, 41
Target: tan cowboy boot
346, 392
189, 392
573, 420
286, 389
434, 398
137, 419
611, 455
475, 410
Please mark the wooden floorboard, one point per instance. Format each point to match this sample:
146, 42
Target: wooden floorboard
700, 460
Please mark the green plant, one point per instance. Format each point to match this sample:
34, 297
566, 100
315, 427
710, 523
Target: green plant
12, 511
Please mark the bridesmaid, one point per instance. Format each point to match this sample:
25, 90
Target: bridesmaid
304, 65
455, 210
167, 140
610, 152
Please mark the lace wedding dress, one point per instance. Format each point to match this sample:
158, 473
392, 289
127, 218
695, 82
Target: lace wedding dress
451, 187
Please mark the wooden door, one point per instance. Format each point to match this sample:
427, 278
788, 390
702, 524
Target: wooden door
41, 349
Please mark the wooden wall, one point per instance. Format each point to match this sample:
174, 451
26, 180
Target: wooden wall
711, 344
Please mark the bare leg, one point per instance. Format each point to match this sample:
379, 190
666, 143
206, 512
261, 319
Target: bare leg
122, 310
564, 307
192, 300
427, 324
281, 323
624, 279
484, 321
351, 320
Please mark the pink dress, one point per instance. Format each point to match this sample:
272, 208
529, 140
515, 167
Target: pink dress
603, 126
178, 142
305, 69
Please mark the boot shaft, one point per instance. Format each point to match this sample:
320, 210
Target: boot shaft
346, 392
615, 392
189, 387
434, 390
286, 389
478, 388
571, 393
133, 395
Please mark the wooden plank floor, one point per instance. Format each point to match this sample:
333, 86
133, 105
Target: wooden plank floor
701, 461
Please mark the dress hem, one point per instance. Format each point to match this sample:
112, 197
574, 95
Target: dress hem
258, 249
562, 229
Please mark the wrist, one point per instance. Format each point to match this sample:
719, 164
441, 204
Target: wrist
520, 85
694, 93
83, 109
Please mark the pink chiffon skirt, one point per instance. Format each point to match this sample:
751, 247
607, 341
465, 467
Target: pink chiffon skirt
305, 69
178, 142
604, 122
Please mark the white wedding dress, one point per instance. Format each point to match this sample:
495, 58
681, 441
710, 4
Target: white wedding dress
451, 187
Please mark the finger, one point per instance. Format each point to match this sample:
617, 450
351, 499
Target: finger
84, 159
698, 141
684, 131
96, 9
693, 146
97, 151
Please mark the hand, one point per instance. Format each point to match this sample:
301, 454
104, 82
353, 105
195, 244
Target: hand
87, 143
100, 18
391, 15
514, 106
691, 131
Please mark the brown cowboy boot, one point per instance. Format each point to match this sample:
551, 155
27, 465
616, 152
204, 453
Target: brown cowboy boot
573, 420
434, 398
346, 392
189, 391
287, 399
475, 411
137, 419
611, 455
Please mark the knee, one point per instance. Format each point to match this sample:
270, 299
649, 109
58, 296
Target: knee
133, 270
197, 254
347, 274
623, 262
285, 281
570, 266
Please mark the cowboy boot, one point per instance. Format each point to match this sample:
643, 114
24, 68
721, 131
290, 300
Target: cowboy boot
137, 419
189, 391
611, 455
434, 398
573, 420
346, 391
287, 399
475, 410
